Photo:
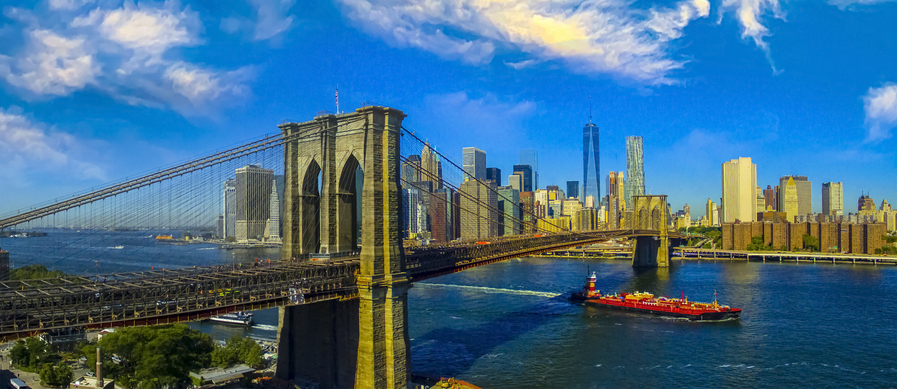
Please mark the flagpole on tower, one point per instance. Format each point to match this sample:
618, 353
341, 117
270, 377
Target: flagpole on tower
337, 99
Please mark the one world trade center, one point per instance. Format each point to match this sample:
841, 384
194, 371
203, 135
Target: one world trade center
590, 181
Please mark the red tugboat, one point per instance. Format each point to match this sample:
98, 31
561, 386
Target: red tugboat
663, 306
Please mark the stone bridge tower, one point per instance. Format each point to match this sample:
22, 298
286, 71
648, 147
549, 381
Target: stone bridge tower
649, 215
362, 342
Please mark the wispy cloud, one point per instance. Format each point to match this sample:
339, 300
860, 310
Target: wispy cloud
880, 105
272, 19
51, 64
68, 4
130, 52
592, 37
523, 64
28, 146
853, 4
750, 15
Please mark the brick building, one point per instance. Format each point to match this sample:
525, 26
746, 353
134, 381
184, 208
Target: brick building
842, 236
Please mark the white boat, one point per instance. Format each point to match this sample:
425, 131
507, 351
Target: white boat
240, 318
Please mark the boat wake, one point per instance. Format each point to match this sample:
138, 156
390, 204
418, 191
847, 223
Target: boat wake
493, 290
265, 327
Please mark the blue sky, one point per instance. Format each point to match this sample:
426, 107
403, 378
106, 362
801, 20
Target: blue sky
92, 91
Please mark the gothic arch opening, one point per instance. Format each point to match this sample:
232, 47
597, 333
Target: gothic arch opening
349, 193
310, 209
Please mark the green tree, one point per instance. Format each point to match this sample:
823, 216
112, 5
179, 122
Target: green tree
58, 375
889, 238
34, 272
19, 354
156, 357
811, 242
30, 353
757, 244
238, 350
707, 246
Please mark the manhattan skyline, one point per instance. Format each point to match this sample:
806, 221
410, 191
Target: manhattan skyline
807, 89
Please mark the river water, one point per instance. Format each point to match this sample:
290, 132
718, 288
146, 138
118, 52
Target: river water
509, 325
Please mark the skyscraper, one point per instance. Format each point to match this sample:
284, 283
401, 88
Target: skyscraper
480, 204
516, 181
409, 205
474, 161
590, 161
509, 208
272, 230
229, 199
770, 199
832, 198
442, 209
253, 201
865, 203
494, 174
635, 169
804, 195
790, 201
573, 189
739, 190
531, 157
431, 166
761, 201
527, 172
411, 168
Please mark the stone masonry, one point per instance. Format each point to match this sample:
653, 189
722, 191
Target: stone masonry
334, 146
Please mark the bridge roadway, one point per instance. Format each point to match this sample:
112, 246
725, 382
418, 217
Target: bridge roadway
189, 294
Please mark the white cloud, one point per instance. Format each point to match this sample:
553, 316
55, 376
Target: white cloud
130, 52
749, 14
523, 64
851, 4
880, 105
272, 19
68, 4
201, 87
595, 36
52, 64
27, 146
151, 30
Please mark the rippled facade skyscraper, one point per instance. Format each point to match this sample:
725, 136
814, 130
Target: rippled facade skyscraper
635, 168
590, 163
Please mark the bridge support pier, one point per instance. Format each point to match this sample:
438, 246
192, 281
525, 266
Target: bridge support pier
319, 342
383, 346
651, 251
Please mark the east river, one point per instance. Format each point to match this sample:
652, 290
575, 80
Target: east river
509, 325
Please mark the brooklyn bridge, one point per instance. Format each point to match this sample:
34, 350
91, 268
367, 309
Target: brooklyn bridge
344, 271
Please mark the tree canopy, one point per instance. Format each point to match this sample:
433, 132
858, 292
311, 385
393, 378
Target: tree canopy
58, 375
30, 353
238, 350
34, 272
153, 357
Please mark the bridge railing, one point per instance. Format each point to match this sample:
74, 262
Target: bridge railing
148, 296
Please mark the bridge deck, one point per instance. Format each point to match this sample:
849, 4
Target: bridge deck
156, 297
